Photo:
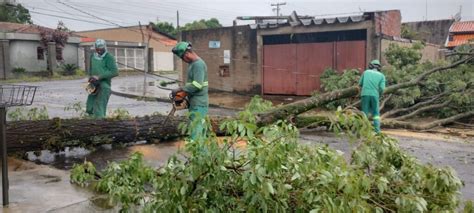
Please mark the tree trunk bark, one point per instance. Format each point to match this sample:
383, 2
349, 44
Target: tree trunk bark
389, 123
416, 106
423, 109
56, 134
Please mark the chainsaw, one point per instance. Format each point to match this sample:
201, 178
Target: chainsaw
180, 101
92, 86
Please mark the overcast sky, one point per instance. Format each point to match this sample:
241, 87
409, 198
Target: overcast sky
113, 13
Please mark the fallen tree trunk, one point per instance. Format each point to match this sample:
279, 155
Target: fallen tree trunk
57, 133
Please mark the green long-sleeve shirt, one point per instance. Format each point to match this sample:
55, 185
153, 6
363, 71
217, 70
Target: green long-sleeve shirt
196, 84
106, 69
372, 83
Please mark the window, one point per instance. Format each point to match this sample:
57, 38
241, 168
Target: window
450, 38
40, 53
130, 59
121, 58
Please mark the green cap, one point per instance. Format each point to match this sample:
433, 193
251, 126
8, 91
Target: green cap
181, 48
375, 62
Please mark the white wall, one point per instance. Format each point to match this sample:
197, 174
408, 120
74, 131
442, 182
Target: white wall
23, 54
70, 54
163, 61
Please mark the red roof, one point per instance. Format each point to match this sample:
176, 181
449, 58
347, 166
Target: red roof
462, 27
20, 28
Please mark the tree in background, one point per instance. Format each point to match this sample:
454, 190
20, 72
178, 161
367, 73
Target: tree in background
164, 27
202, 24
15, 13
170, 29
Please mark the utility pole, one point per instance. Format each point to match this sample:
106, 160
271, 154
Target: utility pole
177, 22
145, 55
426, 10
277, 5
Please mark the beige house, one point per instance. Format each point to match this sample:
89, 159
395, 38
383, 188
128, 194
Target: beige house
159, 42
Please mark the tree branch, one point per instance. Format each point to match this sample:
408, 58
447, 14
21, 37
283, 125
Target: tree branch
390, 123
423, 109
414, 107
384, 102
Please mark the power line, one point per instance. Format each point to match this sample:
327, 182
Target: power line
74, 19
127, 28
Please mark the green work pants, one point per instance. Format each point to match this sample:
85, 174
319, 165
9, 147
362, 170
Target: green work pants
96, 105
370, 105
196, 115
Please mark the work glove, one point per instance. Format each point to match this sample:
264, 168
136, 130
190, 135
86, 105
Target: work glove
175, 91
94, 80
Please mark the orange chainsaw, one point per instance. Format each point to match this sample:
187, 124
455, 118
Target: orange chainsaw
180, 101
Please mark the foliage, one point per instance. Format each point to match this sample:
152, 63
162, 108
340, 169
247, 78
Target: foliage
202, 24
407, 33
119, 114
82, 174
331, 80
164, 27
32, 114
168, 28
59, 35
15, 13
19, 70
468, 207
457, 82
275, 173
400, 57
404, 65
77, 108
69, 69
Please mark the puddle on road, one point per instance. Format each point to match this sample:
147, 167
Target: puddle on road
154, 154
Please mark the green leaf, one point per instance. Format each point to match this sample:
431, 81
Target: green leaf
183, 190
269, 188
295, 176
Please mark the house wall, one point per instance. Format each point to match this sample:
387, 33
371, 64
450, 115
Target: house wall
71, 54
242, 74
246, 48
24, 54
161, 51
429, 53
435, 32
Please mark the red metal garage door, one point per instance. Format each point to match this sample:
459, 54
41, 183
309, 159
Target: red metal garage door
295, 69
312, 59
279, 67
350, 55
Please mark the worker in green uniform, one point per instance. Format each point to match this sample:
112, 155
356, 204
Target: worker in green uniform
102, 69
196, 86
372, 83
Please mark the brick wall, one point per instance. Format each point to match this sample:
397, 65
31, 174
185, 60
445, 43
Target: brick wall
388, 22
243, 75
